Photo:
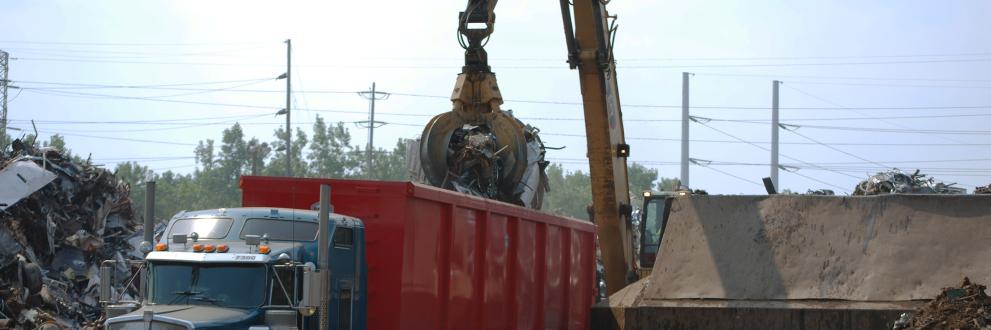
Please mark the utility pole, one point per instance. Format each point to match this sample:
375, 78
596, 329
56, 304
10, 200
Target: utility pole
774, 134
371, 124
4, 61
684, 129
288, 107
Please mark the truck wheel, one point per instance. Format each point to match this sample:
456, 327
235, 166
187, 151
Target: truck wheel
31, 273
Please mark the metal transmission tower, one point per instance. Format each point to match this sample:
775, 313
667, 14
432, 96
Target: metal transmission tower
4, 61
371, 124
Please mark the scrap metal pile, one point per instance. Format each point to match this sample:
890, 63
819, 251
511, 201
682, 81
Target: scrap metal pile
966, 307
58, 220
896, 182
983, 190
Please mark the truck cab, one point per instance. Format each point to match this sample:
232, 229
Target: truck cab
242, 268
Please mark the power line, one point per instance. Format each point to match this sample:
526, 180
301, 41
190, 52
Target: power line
116, 138
172, 167
832, 147
96, 85
799, 57
806, 64
75, 53
857, 118
173, 121
729, 174
562, 68
143, 44
151, 160
768, 150
788, 143
552, 102
820, 181
177, 127
861, 129
191, 93
824, 100
92, 95
892, 130
884, 85
783, 77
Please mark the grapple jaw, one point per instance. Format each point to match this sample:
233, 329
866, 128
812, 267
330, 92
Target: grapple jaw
477, 148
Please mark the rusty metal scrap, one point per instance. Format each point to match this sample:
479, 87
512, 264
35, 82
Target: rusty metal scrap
983, 190
476, 166
53, 238
820, 192
896, 182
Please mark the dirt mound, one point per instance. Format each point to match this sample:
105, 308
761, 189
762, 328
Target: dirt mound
966, 307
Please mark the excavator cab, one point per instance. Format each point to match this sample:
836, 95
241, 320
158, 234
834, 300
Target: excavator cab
653, 217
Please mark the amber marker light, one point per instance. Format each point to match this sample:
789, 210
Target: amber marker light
209, 248
197, 247
222, 248
264, 249
161, 247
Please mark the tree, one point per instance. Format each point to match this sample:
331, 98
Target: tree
277, 165
386, 164
331, 154
668, 184
640, 179
204, 154
570, 193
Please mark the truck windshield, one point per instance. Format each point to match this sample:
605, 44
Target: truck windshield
223, 285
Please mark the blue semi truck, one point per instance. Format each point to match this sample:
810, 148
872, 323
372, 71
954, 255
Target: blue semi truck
246, 268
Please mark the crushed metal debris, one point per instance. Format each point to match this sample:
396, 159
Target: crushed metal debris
966, 307
56, 228
983, 190
896, 182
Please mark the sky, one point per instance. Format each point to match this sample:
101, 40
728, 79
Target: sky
866, 85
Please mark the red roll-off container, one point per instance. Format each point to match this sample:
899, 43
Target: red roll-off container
439, 259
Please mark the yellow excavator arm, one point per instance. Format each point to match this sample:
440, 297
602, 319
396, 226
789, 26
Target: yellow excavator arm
589, 41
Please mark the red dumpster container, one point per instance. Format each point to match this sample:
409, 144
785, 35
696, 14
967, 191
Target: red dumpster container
439, 259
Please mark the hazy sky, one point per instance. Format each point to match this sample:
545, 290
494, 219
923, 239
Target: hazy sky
879, 84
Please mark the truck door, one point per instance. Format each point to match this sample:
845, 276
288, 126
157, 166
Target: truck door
343, 277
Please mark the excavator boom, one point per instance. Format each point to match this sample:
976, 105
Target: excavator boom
590, 51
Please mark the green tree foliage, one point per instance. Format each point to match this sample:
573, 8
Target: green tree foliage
386, 165
571, 191
641, 178
668, 184
214, 183
277, 165
331, 154
570, 194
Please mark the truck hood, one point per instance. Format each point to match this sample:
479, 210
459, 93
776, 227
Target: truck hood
200, 317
